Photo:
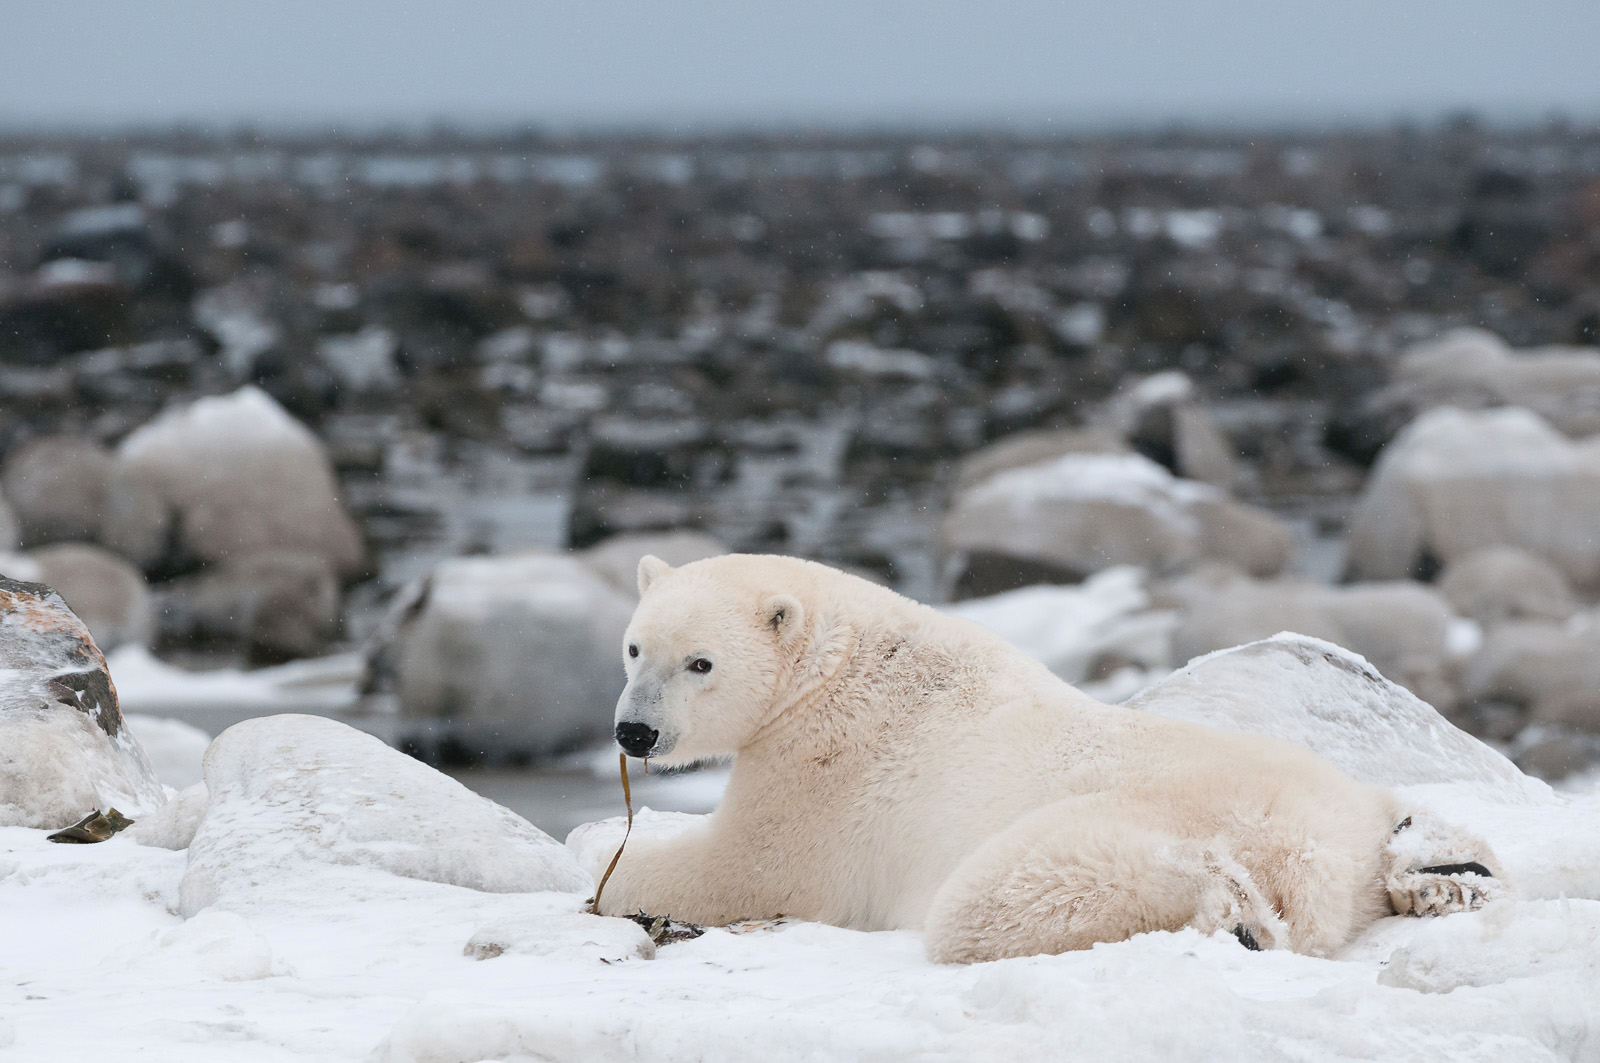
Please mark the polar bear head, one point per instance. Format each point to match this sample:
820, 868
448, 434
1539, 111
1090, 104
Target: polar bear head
716, 650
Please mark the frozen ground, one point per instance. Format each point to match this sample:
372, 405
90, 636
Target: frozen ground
318, 946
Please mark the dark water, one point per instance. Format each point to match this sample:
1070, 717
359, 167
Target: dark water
557, 799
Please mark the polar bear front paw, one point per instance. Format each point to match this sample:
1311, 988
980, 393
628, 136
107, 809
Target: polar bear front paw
1232, 903
1443, 889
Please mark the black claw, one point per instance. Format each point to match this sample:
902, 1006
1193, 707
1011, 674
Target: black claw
1247, 939
1472, 868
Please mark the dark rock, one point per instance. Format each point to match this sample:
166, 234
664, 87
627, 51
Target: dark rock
64, 748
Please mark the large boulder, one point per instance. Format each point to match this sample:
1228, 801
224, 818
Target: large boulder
105, 591
1331, 701
1405, 629
617, 558
291, 797
1083, 512
230, 477
64, 747
58, 485
1456, 481
273, 606
1021, 449
1549, 669
1504, 583
514, 656
1473, 368
1162, 418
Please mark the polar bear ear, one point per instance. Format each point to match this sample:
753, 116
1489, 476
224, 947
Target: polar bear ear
782, 613
651, 569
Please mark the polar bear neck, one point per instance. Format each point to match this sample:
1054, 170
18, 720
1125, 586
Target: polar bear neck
853, 678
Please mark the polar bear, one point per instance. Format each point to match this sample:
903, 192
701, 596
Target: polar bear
898, 768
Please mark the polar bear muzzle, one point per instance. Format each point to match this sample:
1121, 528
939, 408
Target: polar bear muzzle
636, 739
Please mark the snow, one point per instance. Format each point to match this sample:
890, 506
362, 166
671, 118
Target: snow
324, 946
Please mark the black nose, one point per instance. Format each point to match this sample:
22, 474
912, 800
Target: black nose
636, 739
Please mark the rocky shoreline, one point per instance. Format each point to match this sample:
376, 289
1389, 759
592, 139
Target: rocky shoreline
461, 345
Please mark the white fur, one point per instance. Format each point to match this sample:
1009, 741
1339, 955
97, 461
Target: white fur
900, 768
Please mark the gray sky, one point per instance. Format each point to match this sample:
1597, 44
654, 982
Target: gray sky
746, 62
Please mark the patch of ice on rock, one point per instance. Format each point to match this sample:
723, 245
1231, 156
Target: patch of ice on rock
292, 792
1331, 701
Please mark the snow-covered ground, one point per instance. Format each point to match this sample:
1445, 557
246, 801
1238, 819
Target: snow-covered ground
333, 916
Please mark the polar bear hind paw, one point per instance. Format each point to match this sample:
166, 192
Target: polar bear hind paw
1443, 889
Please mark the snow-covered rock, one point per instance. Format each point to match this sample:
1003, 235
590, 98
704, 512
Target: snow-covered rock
1551, 937
1550, 668
276, 605
1161, 417
1504, 583
234, 476
173, 825
1080, 632
1454, 482
291, 794
1473, 368
594, 844
64, 747
1022, 449
58, 486
520, 654
1331, 701
217, 945
563, 935
617, 558
1405, 629
1082, 513
174, 748
106, 592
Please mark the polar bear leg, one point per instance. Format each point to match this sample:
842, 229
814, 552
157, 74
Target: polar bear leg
1084, 870
1436, 869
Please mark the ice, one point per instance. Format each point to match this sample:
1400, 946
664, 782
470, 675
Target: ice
291, 793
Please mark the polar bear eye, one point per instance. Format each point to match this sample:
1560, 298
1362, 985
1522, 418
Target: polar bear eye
633, 650
700, 664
